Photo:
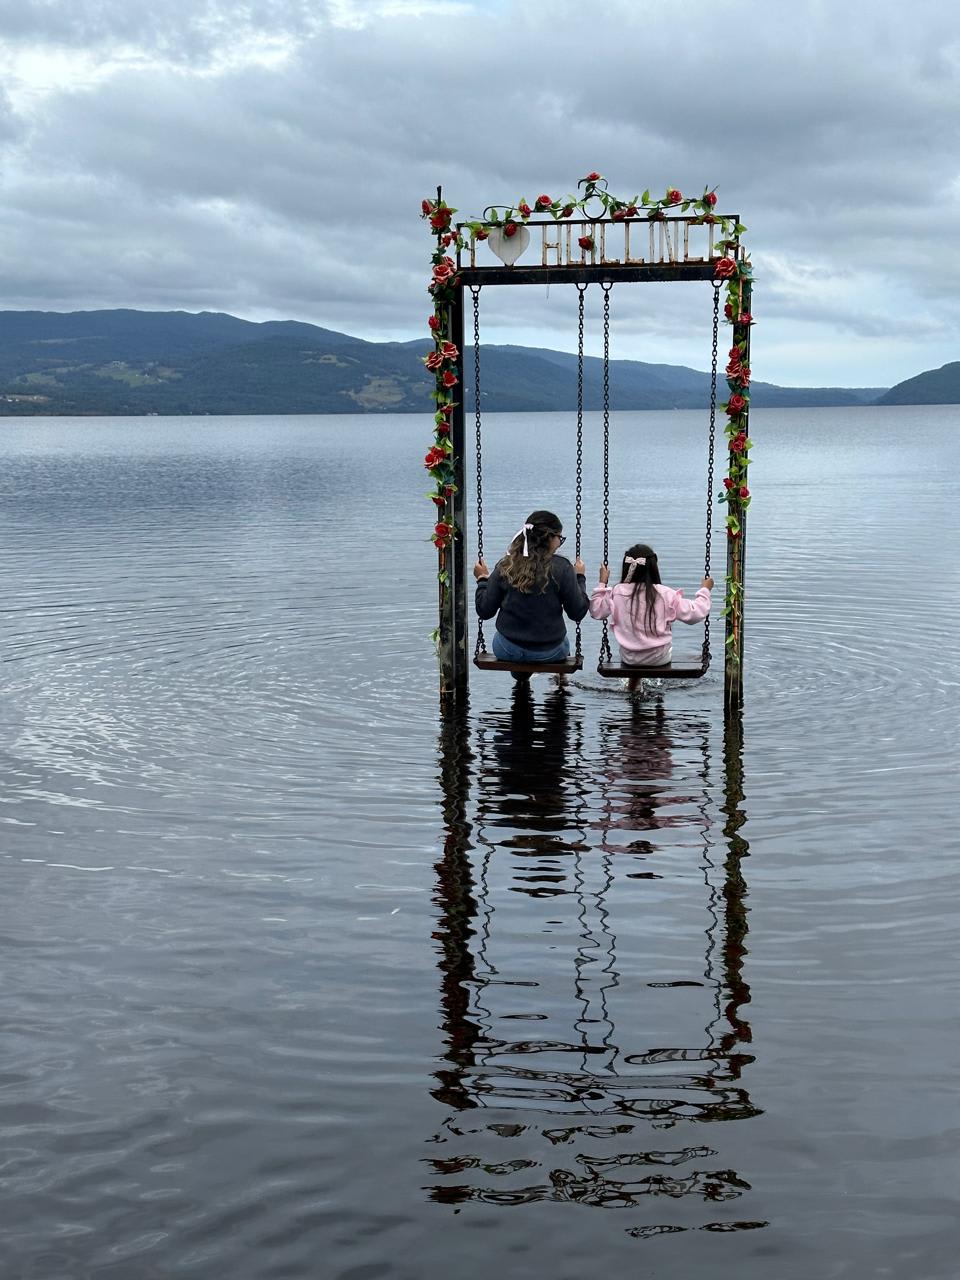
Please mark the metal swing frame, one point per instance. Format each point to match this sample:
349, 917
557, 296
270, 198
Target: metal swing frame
595, 268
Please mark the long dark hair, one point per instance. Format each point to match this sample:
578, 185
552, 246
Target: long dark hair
643, 579
532, 570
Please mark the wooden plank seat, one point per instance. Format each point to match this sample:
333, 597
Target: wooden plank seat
689, 670
488, 662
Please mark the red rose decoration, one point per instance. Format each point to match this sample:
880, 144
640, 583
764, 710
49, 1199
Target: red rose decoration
449, 351
450, 379
434, 322
437, 500
745, 318
592, 177
744, 491
674, 196
544, 202
566, 211
482, 235
434, 360
728, 311
738, 443
446, 408
585, 242
710, 198
618, 215
443, 428
631, 210
736, 403
448, 239
524, 209
440, 220
727, 483
426, 207
723, 269
510, 230
434, 457
443, 530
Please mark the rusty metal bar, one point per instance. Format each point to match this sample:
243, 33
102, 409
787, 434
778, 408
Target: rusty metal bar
588, 274
459, 575
737, 560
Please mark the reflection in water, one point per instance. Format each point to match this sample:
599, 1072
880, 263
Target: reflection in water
591, 939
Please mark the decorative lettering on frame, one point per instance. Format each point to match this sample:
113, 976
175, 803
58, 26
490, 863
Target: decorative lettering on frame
610, 242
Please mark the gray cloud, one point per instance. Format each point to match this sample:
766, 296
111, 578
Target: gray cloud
269, 159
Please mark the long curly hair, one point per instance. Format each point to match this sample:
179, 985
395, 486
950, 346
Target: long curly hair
527, 572
645, 578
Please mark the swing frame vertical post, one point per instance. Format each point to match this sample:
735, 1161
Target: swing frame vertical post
458, 438
737, 556
452, 631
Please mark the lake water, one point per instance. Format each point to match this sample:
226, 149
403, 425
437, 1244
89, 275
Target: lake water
301, 982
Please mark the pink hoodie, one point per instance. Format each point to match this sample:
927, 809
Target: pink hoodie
630, 632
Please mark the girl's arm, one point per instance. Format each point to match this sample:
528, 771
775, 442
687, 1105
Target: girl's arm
694, 610
601, 601
490, 593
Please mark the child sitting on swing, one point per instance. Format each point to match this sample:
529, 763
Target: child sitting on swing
529, 590
643, 611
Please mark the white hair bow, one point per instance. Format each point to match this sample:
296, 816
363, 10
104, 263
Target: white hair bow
633, 564
523, 529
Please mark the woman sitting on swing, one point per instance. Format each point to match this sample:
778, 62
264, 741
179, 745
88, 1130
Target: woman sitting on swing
529, 590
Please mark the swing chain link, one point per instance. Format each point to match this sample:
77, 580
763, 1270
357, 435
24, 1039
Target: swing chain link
717, 286
581, 290
605, 654
475, 292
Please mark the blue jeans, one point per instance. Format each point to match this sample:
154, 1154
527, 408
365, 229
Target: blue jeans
507, 651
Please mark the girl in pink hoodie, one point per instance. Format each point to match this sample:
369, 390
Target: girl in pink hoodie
643, 611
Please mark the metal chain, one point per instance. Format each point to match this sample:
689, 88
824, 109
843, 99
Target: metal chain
475, 291
705, 655
581, 290
605, 639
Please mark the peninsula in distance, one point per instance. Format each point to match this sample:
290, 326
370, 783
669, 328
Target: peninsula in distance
126, 362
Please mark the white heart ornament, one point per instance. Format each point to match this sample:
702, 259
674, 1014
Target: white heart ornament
508, 248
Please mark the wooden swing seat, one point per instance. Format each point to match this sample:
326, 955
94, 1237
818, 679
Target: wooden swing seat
670, 671
489, 662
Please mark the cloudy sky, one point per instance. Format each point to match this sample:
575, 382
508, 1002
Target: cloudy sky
268, 158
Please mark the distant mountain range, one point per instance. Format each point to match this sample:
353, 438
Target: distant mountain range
174, 362
936, 386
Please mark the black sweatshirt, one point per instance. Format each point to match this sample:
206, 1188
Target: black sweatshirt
535, 618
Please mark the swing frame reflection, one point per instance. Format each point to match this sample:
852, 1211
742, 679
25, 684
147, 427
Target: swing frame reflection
612, 1093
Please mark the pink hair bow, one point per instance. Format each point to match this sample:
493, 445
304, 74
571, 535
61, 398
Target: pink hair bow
633, 562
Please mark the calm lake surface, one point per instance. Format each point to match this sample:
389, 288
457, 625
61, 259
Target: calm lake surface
300, 982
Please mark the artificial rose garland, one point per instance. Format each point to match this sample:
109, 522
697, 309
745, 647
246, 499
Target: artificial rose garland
594, 190
736, 491
442, 363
